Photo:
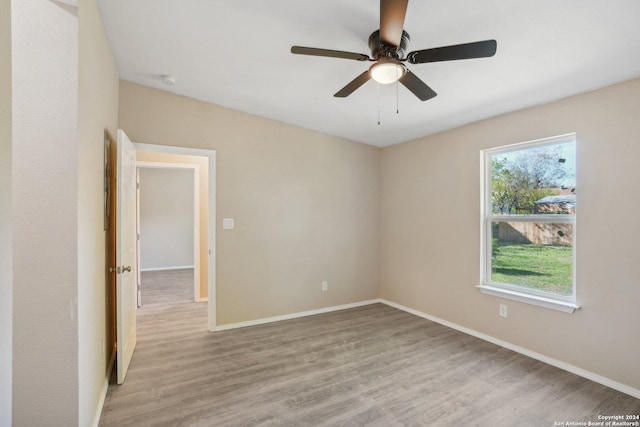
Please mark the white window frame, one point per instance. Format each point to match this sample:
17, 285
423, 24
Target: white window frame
550, 300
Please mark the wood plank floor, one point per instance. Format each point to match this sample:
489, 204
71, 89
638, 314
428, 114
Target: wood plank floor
369, 366
167, 286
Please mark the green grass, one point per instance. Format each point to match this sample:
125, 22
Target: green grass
541, 267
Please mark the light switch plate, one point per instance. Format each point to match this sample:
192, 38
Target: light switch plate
227, 224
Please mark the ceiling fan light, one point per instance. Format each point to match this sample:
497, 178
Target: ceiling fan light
385, 72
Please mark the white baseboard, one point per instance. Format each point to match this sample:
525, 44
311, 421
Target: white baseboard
103, 396
179, 267
103, 393
295, 315
541, 357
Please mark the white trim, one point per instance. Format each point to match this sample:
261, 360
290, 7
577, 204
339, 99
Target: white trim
103, 396
550, 140
295, 315
179, 267
171, 149
197, 279
529, 353
551, 303
542, 218
211, 154
562, 303
160, 165
105, 388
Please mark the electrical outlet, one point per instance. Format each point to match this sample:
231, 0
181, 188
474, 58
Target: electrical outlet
503, 310
325, 285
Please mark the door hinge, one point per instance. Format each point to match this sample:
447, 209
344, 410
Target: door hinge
137, 236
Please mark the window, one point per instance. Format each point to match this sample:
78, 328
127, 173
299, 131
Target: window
529, 216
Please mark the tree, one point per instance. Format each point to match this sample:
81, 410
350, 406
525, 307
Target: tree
501, 194
518, 181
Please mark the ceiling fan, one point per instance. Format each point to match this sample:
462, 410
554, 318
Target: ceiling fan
388, 46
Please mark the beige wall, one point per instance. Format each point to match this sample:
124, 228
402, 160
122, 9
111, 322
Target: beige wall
6, 258
63, 94
98, 87
203, 185
45, 213
430, 230
305, 204
166, 218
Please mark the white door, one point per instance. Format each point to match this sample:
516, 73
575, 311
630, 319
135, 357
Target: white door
126, 270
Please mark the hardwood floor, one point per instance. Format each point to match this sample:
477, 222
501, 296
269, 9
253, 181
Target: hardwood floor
373, 366
167, 286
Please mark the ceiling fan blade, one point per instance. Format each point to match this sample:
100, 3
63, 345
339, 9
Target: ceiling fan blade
483, 49
353, 85
417, 86
300, 50
392, 14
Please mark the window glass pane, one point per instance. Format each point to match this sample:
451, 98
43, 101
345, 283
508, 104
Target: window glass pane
533, 255
535, 180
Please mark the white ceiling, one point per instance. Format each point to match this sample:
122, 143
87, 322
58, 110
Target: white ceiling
236, 53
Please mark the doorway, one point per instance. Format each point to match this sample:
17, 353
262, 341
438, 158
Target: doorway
121, 312
206, 187
168, 230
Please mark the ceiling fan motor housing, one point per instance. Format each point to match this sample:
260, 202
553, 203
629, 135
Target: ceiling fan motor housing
380, 49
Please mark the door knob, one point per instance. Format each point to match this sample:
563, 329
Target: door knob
127, 268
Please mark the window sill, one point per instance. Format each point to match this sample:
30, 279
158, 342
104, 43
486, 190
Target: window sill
564, 306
